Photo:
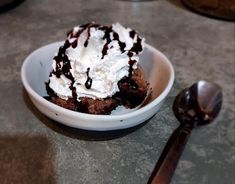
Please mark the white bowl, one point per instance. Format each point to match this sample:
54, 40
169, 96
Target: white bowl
158, 71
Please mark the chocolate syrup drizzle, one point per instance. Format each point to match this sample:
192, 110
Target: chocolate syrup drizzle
137, 47
132, 34
107, 31
88, 36
62, 57
121, 44
63, 63
88, 82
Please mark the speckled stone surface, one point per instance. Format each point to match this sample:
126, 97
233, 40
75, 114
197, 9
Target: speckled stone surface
34, 149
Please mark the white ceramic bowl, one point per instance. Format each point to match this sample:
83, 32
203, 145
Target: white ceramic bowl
158, 71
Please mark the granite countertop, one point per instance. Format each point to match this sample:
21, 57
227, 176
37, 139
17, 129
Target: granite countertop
35, 149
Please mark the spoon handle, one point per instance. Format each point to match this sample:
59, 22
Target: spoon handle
168, 160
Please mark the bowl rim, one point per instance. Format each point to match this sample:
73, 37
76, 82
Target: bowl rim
86, 116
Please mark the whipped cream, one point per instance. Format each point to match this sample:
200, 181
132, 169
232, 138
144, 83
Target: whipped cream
93, 59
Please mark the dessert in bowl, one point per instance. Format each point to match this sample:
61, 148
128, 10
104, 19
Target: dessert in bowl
96, 70
137, 78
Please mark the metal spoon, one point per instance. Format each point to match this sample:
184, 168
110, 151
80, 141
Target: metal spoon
197, 105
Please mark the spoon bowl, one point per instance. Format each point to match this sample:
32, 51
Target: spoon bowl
200, 104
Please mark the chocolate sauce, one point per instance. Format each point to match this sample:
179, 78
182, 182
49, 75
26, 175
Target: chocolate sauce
50, 91
131, 83
72, 34
58, 59
132, 34
88, 36
130, 54
73, 89
88, 27
104, 50
66, 45
88, 82
57, 70
66, 68
76, 34
61, 57
121, 44
74, 43
108, 39
108, 30
137, 47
